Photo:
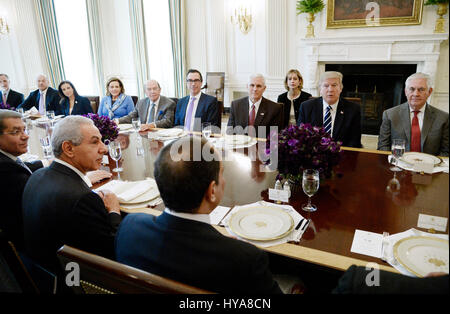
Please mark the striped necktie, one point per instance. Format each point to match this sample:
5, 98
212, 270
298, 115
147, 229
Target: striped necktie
151, 115
327, 120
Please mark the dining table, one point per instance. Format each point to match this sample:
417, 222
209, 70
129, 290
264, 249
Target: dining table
359, 195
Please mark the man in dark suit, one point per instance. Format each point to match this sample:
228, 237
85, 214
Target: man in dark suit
197, 108
180, 243
7, 95
14, 174
423, 127
58, 205
154, 111
255, 115
43, 99
339, 117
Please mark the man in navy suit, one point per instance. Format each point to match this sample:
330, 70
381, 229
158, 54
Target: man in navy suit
181, 244
197, 108
43, 99
7, 95
341, 118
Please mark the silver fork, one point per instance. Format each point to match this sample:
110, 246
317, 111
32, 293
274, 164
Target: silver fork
384, 243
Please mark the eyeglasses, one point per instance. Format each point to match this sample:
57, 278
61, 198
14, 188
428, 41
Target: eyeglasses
17, 132
193, 81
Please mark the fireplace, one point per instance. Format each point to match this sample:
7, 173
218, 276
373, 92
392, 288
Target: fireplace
378, 86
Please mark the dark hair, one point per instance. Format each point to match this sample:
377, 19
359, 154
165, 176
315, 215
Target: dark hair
114, 79
183, 183
195, 71
61, 94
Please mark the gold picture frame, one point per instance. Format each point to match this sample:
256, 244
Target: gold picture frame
347, 14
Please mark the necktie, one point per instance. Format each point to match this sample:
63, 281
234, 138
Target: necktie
151, 115
20, 162
4, 98
327, 120
41, 104
415, 134
189, 114
251, 117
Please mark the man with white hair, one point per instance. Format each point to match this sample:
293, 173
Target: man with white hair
43, 99
254, 114
423, 127
59, 206
7, 95
339, 117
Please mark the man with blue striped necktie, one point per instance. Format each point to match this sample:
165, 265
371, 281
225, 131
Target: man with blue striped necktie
339, 117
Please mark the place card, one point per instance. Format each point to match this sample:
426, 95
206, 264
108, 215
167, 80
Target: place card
105, 160
216, 216
432, 222
279, 195
423, 167
367, 243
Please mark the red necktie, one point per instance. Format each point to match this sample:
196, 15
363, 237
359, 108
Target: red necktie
251, 117
415, 134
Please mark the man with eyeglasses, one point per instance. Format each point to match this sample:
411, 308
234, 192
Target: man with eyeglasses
197, 108
423, 127
14, 174
339, 117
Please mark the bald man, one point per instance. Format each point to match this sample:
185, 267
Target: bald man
154, 110
43, 99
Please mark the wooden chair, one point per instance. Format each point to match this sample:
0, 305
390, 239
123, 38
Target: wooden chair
95, 102
99, 275
135, 99
355, 100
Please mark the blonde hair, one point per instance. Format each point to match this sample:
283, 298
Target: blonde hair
331, 74
300, 78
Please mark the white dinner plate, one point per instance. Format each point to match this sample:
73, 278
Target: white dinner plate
422, 255
174, 132
125, 127
145, 197
261, 223
415, 157
237, 139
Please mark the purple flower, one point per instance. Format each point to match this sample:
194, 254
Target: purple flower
107, 128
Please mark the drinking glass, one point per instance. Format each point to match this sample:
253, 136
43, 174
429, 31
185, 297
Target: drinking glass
51, 114
46, 146
136, 124
115, 152
398, 148
310, 185
206, 129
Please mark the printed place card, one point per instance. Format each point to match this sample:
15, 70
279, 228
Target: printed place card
423, 167
279, 195
432, 222
367, 243
105, 160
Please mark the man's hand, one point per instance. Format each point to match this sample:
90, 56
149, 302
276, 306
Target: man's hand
98, 175
147, 127
110, 200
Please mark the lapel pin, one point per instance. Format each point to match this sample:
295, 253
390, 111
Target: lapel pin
342, 112
261, 114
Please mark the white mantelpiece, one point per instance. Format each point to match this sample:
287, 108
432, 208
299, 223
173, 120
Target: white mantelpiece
422, 50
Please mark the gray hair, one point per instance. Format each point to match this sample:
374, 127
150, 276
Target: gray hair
5, 114
68, 129
418, 75
329, 75
5, 75
254, 76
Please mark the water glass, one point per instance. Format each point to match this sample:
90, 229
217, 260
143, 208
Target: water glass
46, 146
136, 124
115, 151
51, 114
398, 149
206, 130
310, 185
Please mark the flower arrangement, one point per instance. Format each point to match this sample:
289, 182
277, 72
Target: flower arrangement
305, 147
108, 129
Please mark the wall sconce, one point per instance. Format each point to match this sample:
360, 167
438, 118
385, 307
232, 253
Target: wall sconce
4, 28
243, 19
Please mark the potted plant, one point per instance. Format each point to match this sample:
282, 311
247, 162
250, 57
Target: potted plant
441, 11
311, 7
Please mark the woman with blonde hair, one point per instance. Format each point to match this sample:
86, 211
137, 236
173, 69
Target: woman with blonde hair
115, 104
293, 98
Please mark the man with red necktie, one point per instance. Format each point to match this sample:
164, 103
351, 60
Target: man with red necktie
423, 127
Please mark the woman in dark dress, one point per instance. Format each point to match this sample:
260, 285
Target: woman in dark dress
71, 103
293, 98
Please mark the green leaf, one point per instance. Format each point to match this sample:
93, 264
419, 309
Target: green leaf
310, 6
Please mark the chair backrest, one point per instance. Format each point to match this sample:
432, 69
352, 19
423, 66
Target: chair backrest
95, 102
355, 100
99, 275
135, 99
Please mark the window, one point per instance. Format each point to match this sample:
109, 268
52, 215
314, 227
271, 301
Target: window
73, 32
159, 44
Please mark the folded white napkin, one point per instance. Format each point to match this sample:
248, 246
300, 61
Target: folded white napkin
127, 191
33, 110
170, 132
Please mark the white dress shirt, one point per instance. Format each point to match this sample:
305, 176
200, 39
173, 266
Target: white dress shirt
250, 104
292, 117
332, 112
420, 115
196, 217
194, 110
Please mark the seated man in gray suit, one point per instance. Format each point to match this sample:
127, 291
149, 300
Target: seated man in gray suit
255, 114
423, 127
154, 111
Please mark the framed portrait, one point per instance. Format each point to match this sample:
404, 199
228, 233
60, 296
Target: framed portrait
373, 13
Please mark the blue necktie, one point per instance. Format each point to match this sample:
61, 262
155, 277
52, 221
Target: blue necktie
327, 120
151, 116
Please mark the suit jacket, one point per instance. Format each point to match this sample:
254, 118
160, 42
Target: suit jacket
59, 208
193, 252
125, 108
207, 110
269, 114
347, 123
14, 98
13, 180
397, 125
51, 100
304, 96
164, 113
82, 106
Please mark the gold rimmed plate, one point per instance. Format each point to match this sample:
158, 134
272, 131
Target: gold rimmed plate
415, 158
261, 223
422, 255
